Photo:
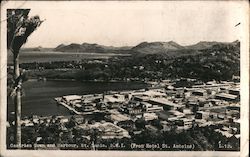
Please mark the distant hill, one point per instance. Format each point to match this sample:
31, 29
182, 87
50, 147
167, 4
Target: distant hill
205, 61
143, 48
88, 48
204, 45
157, 47
39, 48
161, 60
220, 62
79, 48
60, 46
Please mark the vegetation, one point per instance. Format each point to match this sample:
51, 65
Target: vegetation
19, 28
54, 132
218, 62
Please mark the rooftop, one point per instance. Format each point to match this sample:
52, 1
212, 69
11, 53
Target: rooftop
72, 97
111, 98
164, 101
119, 117
150, 93
225, 95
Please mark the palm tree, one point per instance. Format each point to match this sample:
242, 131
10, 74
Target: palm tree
19, 28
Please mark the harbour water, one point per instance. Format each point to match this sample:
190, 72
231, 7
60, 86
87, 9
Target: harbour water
38, 97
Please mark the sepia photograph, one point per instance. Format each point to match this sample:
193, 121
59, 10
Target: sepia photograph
125, 77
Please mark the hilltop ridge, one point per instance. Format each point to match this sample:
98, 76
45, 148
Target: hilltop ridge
141, 48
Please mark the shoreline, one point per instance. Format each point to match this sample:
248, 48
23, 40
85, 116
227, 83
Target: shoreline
91, 88
87, 81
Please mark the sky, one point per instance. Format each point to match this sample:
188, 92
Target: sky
128, 23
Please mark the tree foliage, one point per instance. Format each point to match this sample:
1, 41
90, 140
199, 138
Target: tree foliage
20, 27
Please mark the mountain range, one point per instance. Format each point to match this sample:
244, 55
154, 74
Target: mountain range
204, 60
170, 48
157, 47
88, 48
142, 48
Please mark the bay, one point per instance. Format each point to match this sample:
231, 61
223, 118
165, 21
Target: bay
38, 97
49, 56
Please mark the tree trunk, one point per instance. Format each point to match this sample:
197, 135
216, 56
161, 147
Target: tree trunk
17, 101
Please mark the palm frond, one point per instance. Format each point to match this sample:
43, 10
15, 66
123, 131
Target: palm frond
20, 27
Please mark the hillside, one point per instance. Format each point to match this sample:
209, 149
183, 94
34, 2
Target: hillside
217, 62
170, 48
203, 45
220, 62
88, 48
157, 47
142, 48
85, 47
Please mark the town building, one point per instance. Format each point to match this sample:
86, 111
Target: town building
166, 104
147, 107
226, 97
109, 130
